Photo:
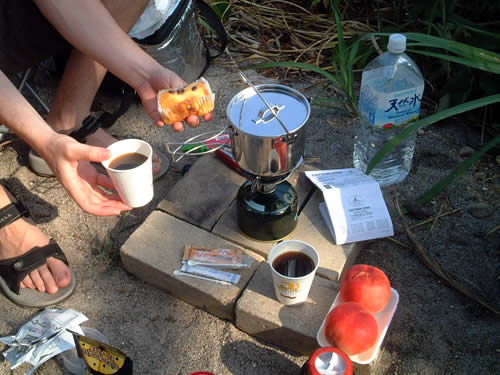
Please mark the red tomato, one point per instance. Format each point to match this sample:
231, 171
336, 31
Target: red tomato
351, 328
366, 285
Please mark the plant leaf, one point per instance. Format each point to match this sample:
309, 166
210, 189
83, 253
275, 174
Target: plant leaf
341, 48
460, 49
466, 24
478, 64
460, 169
412, 128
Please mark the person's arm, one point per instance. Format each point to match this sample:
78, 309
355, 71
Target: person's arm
20, 117
89, 27
68, 159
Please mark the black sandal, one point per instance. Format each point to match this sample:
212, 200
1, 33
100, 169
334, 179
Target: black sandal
106, 119
14, 270
89, 126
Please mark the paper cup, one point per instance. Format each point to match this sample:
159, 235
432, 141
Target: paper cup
293, 290
135, 185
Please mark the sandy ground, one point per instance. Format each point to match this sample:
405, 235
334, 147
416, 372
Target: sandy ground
435, 330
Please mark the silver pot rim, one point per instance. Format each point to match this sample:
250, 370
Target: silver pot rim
262, 144
248, 114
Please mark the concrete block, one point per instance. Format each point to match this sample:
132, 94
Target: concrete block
301, 183
155, 250
259, 313
227, 227
204, 193
311, 228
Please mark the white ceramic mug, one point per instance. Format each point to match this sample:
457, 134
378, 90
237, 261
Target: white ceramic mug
135, 185
293, 290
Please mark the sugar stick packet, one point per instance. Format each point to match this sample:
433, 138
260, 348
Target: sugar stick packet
215, 257
211, 273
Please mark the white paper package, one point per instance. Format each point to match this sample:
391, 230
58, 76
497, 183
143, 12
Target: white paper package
356, 210
43, 337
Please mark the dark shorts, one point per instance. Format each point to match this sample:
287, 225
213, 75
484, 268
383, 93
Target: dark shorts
26, 37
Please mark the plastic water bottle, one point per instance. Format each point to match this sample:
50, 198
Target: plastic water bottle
390, 96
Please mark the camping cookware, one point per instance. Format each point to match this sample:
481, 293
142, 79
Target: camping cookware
264, 143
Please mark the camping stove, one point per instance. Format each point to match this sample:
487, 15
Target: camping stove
268, 141
266, 207
267, 138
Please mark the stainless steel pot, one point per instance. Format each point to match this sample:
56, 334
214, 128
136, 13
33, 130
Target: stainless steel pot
262, 144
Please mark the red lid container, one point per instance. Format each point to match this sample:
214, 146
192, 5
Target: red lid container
330, 358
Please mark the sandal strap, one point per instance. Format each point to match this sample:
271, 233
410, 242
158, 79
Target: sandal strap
11, 213
14, 270
106, 119
90, 125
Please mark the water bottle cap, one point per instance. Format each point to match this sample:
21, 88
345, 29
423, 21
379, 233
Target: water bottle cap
397, 43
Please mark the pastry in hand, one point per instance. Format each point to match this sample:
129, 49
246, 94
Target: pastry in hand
175, 105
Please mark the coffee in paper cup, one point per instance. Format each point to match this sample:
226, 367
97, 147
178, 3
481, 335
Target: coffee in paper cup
131, 171
293, 266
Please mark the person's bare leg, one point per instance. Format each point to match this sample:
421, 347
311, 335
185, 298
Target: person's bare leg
75, 94
21, 236
81, 80
79, 84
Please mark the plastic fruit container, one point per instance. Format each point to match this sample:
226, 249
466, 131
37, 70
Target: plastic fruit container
74, 364
383, 319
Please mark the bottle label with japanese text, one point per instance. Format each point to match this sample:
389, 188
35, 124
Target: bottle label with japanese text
387, 108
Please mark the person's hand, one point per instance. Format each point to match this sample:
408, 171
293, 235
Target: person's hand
103, 39
148, 91
70, 162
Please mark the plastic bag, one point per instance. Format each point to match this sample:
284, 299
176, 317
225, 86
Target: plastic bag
153, 17
177, 43
42, 338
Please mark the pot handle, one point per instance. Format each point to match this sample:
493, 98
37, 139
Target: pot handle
266, 114
280, 147
198, 145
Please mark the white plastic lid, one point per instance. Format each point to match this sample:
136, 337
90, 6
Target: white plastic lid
397, 43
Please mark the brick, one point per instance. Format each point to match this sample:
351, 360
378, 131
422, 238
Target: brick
259, 313
155, 249
204, 193
227, 226
301, 183
311, 228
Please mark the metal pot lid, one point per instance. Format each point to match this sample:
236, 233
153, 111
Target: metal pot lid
249, 114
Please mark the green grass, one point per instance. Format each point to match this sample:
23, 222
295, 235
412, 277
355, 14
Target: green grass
455, 47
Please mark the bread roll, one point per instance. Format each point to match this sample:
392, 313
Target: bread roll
194, 99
